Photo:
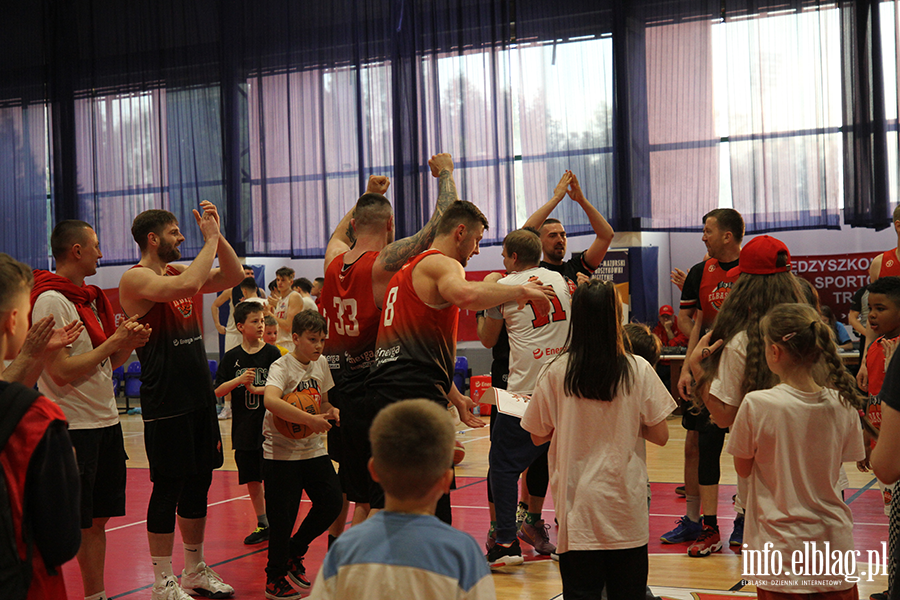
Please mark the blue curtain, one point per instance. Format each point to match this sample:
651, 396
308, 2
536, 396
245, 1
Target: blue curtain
279, 111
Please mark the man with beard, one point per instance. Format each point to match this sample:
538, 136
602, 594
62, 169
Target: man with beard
553, 234
181, 432
415, 352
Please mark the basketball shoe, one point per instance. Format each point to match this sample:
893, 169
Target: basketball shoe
537, 536
297, 573
708, 542
169, 590
500, 555
685, 531
280, 589
205, 582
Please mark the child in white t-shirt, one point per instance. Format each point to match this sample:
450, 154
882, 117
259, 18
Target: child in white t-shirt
292, 466
790, 442
592, 404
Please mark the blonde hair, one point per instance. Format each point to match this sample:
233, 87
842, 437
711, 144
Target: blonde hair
800, 331
15, 278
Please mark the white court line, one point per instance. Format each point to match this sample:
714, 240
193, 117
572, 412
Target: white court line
244, 497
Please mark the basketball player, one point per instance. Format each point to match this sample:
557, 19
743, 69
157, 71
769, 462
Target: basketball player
356, 279
415, 352
705, 288
181, 431
553, 234
533, 341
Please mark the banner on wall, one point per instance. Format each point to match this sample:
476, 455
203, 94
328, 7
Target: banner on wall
836, 277
615, 268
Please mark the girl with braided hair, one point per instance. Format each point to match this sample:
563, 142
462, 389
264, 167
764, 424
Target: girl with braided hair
725, 377
789, 442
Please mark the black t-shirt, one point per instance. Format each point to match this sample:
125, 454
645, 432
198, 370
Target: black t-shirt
248, 409
890, 389
500, 362
572, 267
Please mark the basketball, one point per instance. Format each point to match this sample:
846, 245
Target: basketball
306, 400
459, 453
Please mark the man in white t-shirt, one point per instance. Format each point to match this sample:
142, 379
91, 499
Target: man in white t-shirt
286, 303
304, 286
533, 340
79, 379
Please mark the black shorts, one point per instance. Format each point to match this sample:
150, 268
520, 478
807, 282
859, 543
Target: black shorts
692, 420
101, 463
249, 465
178, 447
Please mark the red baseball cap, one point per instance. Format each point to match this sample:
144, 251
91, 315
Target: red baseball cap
665, 309
760, 257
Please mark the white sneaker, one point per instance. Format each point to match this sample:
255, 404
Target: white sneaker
225, 414
205, 582
169, 590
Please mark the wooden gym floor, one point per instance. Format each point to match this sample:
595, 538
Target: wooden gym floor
672, 573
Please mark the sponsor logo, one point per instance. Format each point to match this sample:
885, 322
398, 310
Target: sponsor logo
538, 353
712, 267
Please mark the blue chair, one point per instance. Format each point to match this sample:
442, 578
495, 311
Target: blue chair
132, 383
213, 368
461, 374
118, 377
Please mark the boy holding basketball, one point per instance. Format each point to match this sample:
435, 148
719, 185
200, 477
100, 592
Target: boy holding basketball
294, 457
242, 374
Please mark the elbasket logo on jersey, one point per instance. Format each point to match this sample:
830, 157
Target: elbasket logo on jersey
712, 267
185, 306
889, 263
718, 295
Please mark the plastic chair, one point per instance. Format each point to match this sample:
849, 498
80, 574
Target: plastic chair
118, 378
461, 374
132, 383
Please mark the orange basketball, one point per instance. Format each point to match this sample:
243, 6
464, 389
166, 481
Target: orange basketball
306, 400
459, 453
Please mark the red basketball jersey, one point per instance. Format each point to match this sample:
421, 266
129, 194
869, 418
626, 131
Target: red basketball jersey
416, 350
890, 266
715, 286
348, 303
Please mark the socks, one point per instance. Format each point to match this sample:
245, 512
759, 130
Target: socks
262, 520
97, 596
193, 556
532, 518
162, 567
712, 521
693, 508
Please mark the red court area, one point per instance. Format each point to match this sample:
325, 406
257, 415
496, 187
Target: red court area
129, 573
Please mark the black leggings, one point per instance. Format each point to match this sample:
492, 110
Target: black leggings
711, 441
187, 495
585, 573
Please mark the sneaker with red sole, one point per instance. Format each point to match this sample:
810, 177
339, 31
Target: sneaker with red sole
297, 573
708, 542
280, 589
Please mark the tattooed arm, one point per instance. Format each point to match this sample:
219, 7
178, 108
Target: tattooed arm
395, 255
